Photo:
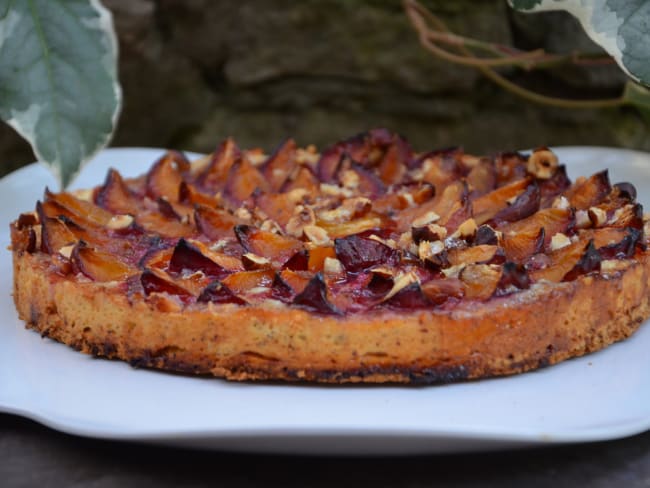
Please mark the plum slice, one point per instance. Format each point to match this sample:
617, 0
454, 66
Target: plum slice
99, 265
303, 179
217, 292
280, 164
480, 280
588, 262
483, 253
243, 180
370, 221
115, 196
215, 223
84, 213
188, 257
55, 235
589, 192
513, 275
165, 177
314, 297
213, 177
359, 254
526, 204
490, 204
274, 247
410, 297
244, 281
317, 258
156, 281
625, 248
440, 290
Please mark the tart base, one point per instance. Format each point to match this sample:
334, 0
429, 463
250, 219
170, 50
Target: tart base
527, 330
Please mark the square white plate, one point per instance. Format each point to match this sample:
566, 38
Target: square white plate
605, 395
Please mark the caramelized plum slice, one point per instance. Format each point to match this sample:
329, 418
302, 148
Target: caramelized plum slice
297, 280
272, 246
486, 235
554, 186
482, 178
329, 163
370, 221
589, 192
155, 223
280, 164
215, 223
304, 179
469, 255
561, 261
188, 194
440, 290
314, 297
275, 205
513, 275
487, 206
245, 281
358, 253
243, 180
214, 176
526, 204
85, 213
156, 281
588, 262
439, 168
480, 280
99, 265
393, 165
519, 246
217, 292
55, 235
188, 257
115, 196
317, 258
280, 290
626, 190
410, 297
510, 166
298, 262
367, 182
165, 177
625, 248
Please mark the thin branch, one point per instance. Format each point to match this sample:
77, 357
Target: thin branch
421, 18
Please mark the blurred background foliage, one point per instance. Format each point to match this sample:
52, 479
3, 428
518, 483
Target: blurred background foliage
196, 71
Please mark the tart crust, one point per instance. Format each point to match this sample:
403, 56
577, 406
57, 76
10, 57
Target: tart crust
548, 323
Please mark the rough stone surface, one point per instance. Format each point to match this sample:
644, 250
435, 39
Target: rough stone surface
196, 71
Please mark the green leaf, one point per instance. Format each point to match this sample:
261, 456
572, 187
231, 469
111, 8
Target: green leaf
58, 78
621, 27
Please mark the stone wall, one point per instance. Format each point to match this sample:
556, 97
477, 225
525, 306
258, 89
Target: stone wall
196, 71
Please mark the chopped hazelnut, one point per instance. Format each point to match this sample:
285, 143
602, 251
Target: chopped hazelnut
317, 235
120, 221
559, 240
542, 163
425, 219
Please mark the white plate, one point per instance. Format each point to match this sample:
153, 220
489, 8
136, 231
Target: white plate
605, 395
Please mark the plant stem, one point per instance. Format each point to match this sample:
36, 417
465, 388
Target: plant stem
420, 17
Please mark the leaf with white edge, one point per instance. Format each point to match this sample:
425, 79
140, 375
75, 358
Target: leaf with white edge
58, 79
621, 27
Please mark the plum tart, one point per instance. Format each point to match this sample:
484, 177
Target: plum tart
366, 262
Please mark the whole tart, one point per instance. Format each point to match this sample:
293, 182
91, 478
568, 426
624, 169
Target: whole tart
366, 262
